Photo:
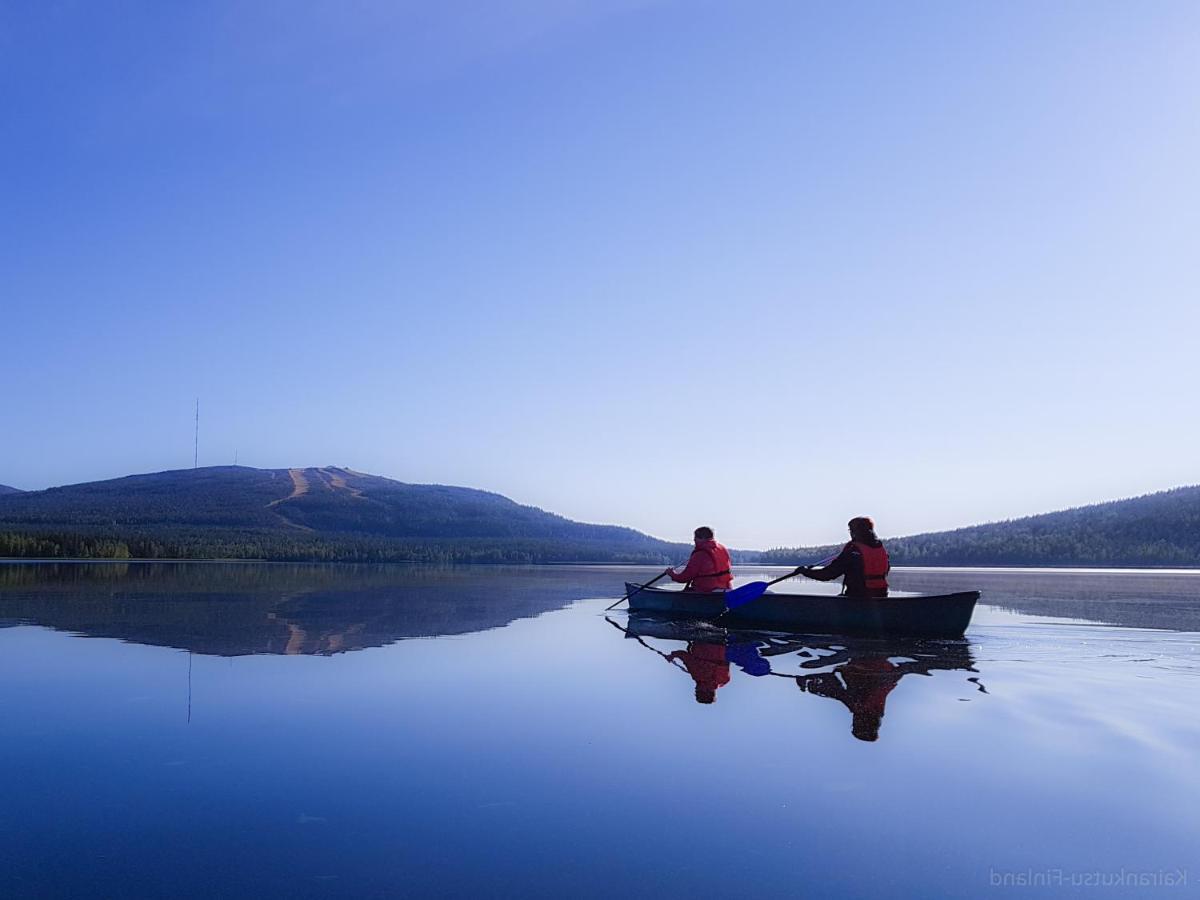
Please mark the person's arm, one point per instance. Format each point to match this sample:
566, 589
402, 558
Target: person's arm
835, 569
693, 568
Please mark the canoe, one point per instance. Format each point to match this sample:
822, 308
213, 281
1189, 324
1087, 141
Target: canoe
902, 613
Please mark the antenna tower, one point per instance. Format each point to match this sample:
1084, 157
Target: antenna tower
196, 444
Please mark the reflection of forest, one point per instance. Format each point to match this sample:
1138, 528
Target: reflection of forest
237, 609
1144, 599
859, 673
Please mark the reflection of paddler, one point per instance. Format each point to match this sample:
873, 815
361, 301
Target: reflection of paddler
707, 665
862, 685
864, 675
704, 661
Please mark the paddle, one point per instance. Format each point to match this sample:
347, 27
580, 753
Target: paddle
755, 589
638, 638
636, 590
752, 591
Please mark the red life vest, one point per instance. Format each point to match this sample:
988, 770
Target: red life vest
875, 565
721, 576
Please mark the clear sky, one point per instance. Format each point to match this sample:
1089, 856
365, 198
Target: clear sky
762, 265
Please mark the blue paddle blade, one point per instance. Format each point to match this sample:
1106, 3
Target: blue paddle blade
743, 595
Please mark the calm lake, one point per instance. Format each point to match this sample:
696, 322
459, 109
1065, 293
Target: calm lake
229, 730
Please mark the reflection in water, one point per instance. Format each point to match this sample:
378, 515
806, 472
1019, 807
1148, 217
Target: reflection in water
860, 678
704, 661
233, 609
1145, 599
859, 673
861, 684
707, 665
505, 762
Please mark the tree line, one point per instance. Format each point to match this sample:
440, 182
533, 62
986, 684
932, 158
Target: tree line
1158, 530
287, 548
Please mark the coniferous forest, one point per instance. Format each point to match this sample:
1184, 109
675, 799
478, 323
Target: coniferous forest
303, 515
339, 515
1157, 530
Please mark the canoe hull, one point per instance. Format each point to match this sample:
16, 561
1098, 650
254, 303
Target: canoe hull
926, 615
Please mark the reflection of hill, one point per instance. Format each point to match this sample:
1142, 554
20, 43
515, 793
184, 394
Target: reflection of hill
237, 609
1133, 599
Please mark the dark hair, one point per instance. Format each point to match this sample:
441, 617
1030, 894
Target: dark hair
865, 726
706, 694
703, 533
864, 526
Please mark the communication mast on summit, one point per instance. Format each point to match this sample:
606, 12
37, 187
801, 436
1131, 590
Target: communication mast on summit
196, 442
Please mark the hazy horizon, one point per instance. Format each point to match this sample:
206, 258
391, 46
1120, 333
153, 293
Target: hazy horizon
643, 263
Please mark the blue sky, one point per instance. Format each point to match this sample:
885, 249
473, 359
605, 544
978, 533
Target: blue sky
761, 265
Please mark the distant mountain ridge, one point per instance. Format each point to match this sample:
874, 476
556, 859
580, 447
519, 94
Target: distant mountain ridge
325, 513
334, 513
5, 489
1160, 529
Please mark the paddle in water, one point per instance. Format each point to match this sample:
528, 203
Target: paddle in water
747, 593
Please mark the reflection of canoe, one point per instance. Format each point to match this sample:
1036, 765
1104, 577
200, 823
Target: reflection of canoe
950, 652
935, 615
656, 625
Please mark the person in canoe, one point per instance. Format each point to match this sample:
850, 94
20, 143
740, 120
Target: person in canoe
862, 565
707, 568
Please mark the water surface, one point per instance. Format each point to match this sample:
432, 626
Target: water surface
237, 730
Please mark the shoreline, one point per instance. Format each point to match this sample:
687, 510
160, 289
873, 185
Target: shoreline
1065, 570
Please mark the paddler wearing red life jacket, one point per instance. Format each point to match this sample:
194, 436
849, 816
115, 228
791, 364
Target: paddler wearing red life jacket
862, 565
707, 568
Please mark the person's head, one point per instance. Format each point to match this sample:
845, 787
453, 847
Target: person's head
865, 726
862, 528
706, 694
703, 533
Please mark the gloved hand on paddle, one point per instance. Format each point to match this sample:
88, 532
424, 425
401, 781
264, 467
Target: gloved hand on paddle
803, 570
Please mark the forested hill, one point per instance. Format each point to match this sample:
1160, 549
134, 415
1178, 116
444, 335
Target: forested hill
337, 514
331, 513
1160, 529
5, 489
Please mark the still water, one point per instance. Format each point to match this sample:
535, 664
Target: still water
262, 730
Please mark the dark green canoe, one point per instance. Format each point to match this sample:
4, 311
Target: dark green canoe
932, 615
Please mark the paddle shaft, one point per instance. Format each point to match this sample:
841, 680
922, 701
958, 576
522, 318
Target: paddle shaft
791, 574
728, 610
782, 578
639, 588
638, 638
796, 571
